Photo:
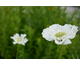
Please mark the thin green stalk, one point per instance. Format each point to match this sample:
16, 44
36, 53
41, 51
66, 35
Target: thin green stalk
24, 53
17, 51
61, 52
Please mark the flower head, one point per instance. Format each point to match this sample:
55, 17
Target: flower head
19, 39
60, 34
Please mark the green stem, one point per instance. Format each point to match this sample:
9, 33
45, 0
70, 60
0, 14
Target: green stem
17, 51
61, 52
23, 53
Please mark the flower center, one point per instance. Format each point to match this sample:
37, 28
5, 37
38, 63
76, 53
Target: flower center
60, 34
19, 39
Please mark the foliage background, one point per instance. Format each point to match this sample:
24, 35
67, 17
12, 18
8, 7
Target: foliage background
31, 20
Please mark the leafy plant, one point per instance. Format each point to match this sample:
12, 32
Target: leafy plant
31, 20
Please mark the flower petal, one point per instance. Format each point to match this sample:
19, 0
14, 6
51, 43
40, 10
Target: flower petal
67, 42
47, 34
58, 42
15, 37
14, 42
23, 36
24, 41
71, 30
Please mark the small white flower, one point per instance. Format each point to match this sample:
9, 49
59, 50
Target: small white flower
60, 34
19, 39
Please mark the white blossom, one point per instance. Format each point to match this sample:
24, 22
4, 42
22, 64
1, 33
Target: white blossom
60, 34
19, 39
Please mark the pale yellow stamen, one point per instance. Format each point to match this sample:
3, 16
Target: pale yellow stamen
60, 34
19, 39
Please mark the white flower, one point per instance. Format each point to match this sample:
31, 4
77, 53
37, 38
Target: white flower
19, 39
60, 34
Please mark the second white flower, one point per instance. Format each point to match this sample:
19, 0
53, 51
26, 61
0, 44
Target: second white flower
60, 34
19, 39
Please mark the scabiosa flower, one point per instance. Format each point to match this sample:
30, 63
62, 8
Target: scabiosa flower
60, 34
19, 39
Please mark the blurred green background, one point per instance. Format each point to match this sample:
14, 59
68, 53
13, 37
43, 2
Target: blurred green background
31, 20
